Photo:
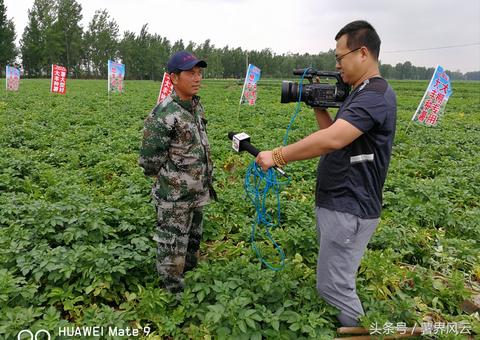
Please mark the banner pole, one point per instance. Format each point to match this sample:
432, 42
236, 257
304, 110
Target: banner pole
238, 113
244, 85
243, 91
51, 79
424, 95
108, 84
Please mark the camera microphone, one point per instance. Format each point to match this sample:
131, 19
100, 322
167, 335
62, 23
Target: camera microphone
241, 142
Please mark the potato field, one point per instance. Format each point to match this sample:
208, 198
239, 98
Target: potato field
77, 220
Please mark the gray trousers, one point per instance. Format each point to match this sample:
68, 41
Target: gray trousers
343, 239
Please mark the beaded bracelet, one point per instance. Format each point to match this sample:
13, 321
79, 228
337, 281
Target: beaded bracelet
280, 153
278, 157
276, 161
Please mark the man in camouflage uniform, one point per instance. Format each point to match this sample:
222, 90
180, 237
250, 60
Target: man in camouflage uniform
176, 152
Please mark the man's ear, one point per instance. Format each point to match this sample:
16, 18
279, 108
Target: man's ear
174, 78
365, 52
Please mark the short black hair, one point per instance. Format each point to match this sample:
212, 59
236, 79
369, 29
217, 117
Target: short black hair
361, 33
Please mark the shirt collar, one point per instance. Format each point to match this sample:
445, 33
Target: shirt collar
186, 104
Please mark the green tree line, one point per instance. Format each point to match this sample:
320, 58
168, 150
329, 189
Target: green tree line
54, 35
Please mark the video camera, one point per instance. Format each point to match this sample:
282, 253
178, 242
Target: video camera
316, 94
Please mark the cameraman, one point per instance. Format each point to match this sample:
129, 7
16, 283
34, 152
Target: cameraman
356, 148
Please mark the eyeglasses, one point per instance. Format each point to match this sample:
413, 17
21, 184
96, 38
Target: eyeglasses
339, 59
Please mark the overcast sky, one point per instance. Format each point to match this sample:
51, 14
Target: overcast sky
425, 32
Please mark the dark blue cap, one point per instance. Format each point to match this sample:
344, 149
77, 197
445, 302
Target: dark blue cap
184, 61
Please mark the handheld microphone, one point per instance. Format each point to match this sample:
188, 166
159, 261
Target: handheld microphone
241, 142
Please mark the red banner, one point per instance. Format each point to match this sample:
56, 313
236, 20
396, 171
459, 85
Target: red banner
434, 101
249, 92
12, 77
166, 87
59, 79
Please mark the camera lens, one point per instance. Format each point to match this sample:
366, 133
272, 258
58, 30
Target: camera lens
289, 92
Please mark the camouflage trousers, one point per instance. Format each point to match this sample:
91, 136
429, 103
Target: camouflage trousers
178, 236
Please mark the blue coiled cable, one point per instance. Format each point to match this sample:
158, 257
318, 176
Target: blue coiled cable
258, 184
297, 107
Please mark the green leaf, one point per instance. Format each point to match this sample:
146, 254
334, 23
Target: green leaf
250, 323
219, 309
307, 329
200, 295
217, 317
437, 284
289, 316
242, 326
256, 336
294, 327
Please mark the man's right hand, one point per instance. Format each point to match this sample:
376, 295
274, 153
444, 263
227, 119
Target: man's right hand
320, 109
323, 117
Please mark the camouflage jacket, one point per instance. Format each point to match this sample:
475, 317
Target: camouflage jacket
176, 151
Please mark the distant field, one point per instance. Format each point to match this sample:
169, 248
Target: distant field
76, 221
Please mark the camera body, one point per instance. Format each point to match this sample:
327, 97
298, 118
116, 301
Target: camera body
316, 94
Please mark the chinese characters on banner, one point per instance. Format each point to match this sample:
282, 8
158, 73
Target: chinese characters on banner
249, 92
59, 79
434, 100
116, 74
166, 87
12, 78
